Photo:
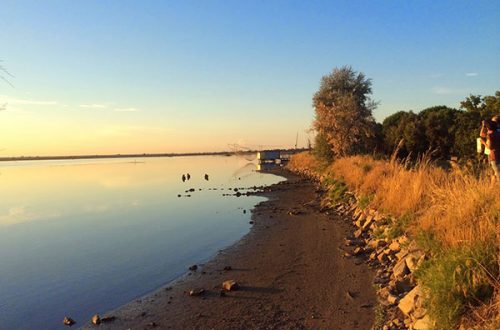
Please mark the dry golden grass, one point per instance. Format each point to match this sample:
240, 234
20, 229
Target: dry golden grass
457, 207
305, 163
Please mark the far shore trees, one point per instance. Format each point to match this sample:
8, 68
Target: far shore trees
344, 120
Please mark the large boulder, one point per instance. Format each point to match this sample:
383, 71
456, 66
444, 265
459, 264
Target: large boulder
407, 303
400, 269
424, 323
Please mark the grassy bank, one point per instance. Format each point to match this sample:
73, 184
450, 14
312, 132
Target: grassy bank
453, 215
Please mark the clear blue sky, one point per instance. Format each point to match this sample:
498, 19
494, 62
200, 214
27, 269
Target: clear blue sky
152, 76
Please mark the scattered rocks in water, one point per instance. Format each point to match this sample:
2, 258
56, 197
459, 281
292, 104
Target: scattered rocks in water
238, 194
193, 267
251, 222
230, 285
96, 319
183, 178
206, 177
179, 195
191, 190
68, 321
196, 292
244, 211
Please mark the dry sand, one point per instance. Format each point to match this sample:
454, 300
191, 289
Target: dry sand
290, 268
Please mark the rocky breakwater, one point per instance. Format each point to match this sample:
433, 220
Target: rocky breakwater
395, 258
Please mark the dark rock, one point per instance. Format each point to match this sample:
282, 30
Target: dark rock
193, 267
230, 285
196, 292
68, 321
107, 319
96, 319
227, 268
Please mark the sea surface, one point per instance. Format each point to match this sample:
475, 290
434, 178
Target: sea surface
84, 237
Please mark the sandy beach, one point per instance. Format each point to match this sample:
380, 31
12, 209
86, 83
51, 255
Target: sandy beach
290, 270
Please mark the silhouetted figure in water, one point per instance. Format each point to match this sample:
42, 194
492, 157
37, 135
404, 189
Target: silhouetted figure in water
206, 177
188, 176
183, 178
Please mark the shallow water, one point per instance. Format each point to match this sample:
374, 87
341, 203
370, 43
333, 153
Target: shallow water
83, 237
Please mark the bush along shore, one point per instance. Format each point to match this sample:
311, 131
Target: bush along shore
432, 236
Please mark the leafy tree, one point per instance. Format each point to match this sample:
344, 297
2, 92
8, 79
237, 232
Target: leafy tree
344, 111
405, 128
439, 127
487, 106
322, 149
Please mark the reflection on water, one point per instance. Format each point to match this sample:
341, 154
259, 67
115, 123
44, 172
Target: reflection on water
83, 237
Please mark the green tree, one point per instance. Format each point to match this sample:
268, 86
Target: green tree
343, 111
322, 149
439, 127
404, 129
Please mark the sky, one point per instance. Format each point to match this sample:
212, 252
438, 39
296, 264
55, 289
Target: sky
106, 77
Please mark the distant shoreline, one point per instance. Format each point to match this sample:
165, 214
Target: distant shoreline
219, 153
26, 158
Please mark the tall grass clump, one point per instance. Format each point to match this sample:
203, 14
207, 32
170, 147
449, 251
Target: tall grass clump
457, 279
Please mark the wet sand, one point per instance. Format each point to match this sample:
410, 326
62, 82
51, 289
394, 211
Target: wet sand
291, 272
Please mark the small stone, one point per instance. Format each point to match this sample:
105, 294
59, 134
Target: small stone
193, 268
400, 269
227, 268
392, 299
68, 321
196, 292
394, 246
403, 285
96, 319
358, 233
423, 323
382, 257
107, 319
230, 285
359, 250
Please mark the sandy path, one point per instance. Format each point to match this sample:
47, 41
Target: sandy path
291, 271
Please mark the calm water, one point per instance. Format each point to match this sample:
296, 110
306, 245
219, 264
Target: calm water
83, 237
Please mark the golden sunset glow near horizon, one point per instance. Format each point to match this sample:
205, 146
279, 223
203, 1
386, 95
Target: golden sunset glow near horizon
91, 77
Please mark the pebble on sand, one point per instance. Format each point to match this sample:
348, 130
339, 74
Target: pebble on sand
68, 321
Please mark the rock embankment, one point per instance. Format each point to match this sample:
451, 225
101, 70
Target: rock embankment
395, 259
